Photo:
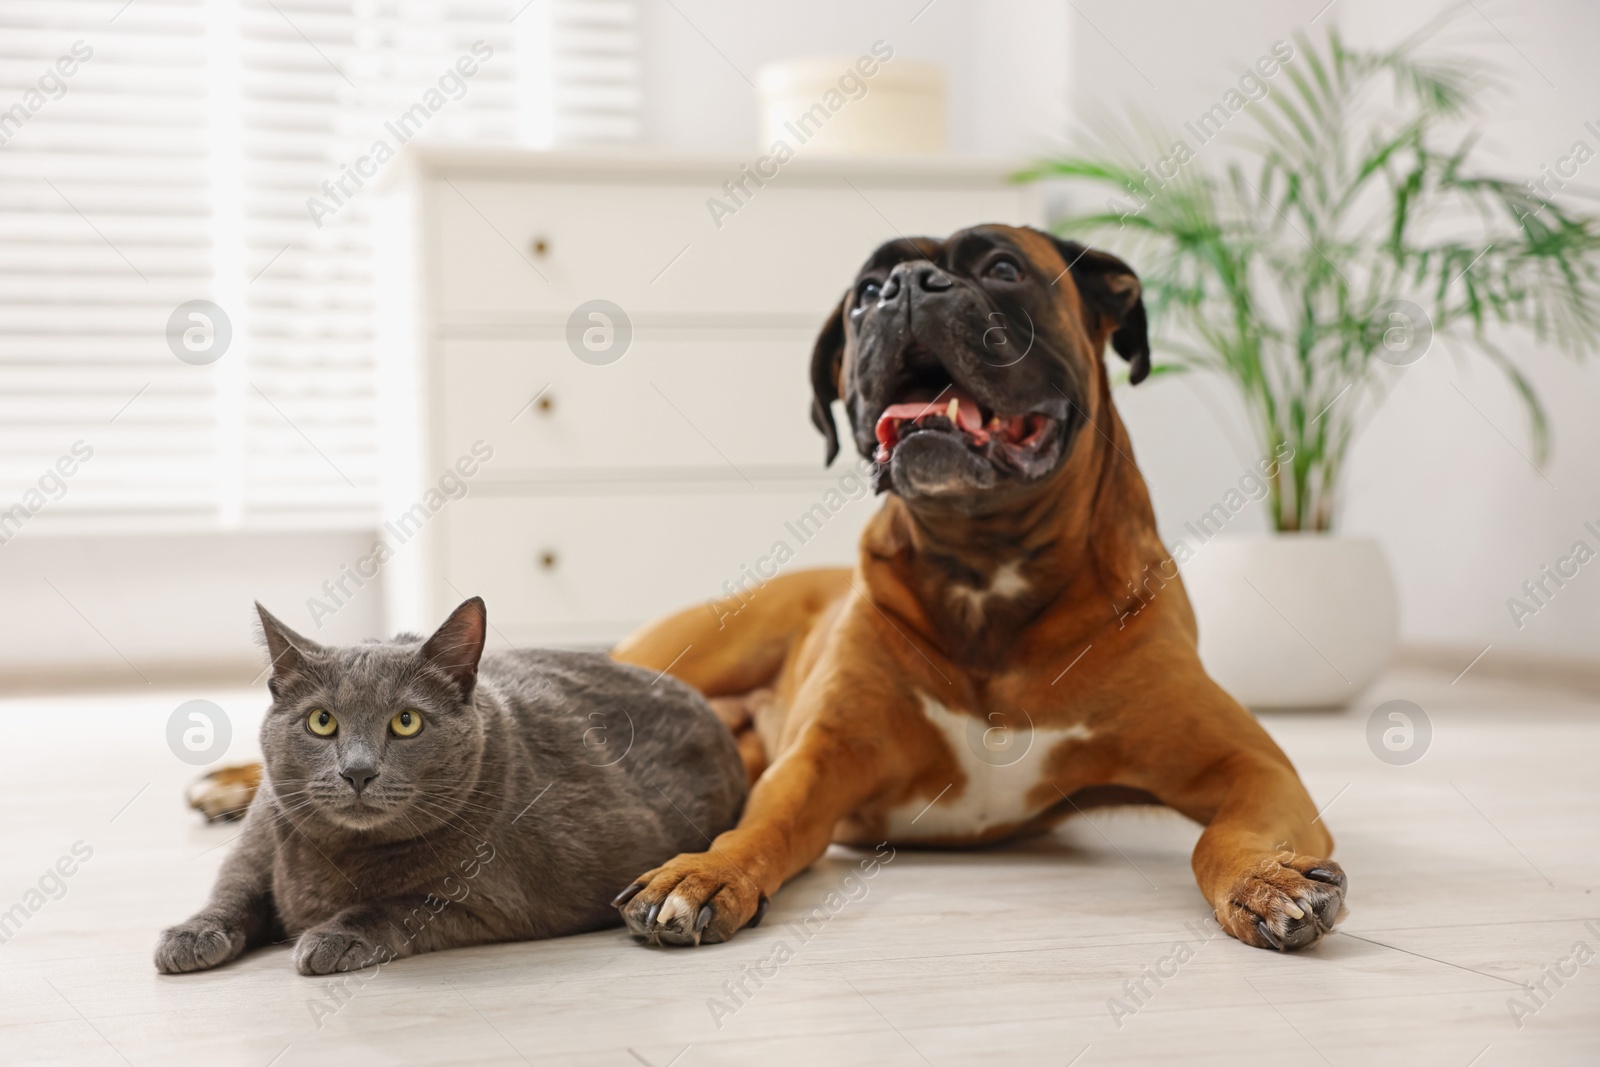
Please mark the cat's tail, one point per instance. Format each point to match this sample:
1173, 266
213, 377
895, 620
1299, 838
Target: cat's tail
733, 649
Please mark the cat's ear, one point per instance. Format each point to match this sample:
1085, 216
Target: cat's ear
456, 647
287, 648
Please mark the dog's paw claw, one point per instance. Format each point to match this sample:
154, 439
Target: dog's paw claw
1285, 903
695, 899
1322, 874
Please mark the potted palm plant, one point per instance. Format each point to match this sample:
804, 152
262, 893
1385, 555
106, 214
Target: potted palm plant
1306, 264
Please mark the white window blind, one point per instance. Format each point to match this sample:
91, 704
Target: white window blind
103, 230
191, 156
595, 74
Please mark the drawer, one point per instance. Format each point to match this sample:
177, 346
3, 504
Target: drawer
591, 569
527, 249
676, 399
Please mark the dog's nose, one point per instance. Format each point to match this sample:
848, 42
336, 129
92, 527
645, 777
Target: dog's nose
359, 776
914, 276
931, 279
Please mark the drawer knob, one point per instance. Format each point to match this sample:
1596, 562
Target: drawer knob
547, 559
540, 246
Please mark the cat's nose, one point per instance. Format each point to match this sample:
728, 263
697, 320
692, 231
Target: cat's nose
359, 776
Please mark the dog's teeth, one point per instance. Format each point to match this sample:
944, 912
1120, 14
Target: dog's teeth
994, 423
953, 410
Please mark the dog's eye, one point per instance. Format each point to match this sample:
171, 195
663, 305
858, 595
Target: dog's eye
1005, 270
868, 291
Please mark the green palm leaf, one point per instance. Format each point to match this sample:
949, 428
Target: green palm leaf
1358, 195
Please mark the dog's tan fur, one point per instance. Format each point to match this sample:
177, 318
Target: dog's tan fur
843, 665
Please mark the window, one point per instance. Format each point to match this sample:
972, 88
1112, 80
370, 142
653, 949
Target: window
163, 152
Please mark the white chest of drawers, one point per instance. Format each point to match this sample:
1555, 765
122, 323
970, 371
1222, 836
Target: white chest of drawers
671, 476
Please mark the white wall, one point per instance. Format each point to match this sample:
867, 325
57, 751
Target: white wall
1007, 64
126, 609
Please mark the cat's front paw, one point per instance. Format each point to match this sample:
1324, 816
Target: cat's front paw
203, 942
334, 949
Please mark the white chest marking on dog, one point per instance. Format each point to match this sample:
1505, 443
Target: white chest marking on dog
1002, 761
1007, 581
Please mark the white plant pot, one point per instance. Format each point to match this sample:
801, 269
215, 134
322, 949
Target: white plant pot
1299, 620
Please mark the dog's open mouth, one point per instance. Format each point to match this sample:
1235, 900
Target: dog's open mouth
1017, 438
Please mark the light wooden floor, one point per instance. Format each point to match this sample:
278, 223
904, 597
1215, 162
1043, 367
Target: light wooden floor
1471, 871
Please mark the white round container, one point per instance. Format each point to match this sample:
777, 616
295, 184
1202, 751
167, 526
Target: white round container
832, 105
1300, 620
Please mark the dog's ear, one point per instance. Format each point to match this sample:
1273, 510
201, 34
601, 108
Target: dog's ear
1110, 288
826, 356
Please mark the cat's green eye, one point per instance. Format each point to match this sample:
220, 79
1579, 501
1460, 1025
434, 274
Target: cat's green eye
322, 723
406, 723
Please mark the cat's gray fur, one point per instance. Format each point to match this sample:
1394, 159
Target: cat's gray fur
519, 809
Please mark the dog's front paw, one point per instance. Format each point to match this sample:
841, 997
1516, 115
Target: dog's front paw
697, 897
203, 942
334, 949
1286, 902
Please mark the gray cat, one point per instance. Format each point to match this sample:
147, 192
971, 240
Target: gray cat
414, 800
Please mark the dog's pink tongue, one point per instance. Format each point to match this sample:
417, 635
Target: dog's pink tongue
967, 415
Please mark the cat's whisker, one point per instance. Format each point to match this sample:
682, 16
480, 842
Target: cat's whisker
423, 838
452, 819
474, 790
467, 805
458, 803
465, 800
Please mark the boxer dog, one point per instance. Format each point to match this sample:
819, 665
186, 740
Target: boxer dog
980, 674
